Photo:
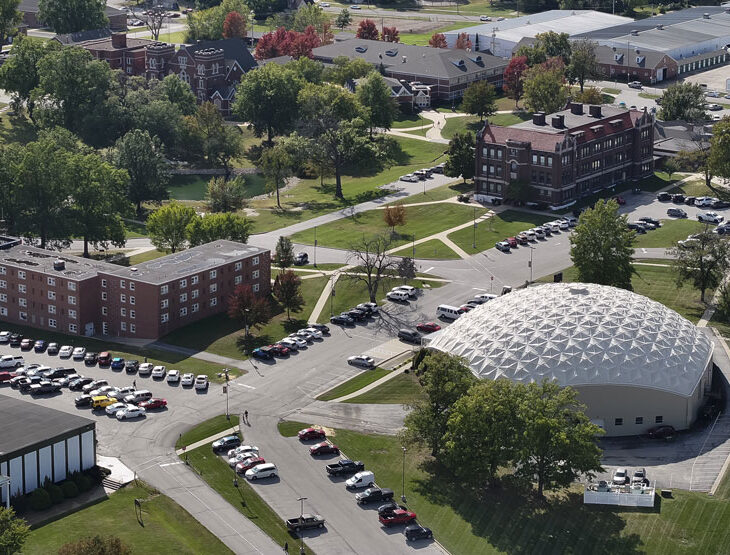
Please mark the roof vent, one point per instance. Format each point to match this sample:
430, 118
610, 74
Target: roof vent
558, 121
576, 109
594, 111
133, 269
538, 118
59, 265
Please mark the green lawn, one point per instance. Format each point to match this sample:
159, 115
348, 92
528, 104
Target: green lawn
405, 121
289, 428
421, 221
223, 336
669, 233
401, 390
146, 256
133, 229
423, 38
16, 129
166, 528
433, 249
649, 96
244, 498
323, 266
496, 228
612, 91
441, 192
206, 429
354, 384
696, 188
177, 37
459, 125
194, 187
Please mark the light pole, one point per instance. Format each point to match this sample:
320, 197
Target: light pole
301, 515
413, 254
332, 293
315, 246
403, 495
253, 24
225, 388
530, 263
474, 240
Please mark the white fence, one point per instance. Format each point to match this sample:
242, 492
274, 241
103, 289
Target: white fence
643, 497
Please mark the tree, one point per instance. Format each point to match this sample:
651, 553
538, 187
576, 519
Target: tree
555, 45
438, 40
110, 545
248, 307
287, 291
703, 263
670, 167
460, 156
370, 256
558, 441
212, 139
178, 93
98, 201
13, 532
212, 227
394, 215
583, 62
207, 24
265, 8
284, 252
544, 87
485, 422
391, 34
307, 70
518, 189
10, 17
19, 74
406, 269
226, 195
267, 99
367, 30
513, 78
234, 26
376, 97
683, 101
343, 19
445, 379
167, 226
274, 44
590, 95
310, 15
719, 156
153, 19
479, 99
343, 70
277, 167
723, 303
70, 16
144, 159
602, 246
303, 43
534, 54
463, 42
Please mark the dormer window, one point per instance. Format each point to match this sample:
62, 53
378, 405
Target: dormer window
201, 69
153, 63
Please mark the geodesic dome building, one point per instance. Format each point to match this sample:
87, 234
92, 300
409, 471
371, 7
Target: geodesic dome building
634, 362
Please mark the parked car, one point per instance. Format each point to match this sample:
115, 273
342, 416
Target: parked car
639, 476
411, 336
689, 201
11, 361
279, 350
342, 320
145, 369
358, 315
83, 401
112, 409
652, 221
662, 432
710, 217
188, 379
266, 470
620, 200
635, 85
313, 332
664, 196
262, 353
52, 349
676, 213
26, 344
225, 443
4, 336
324, 448
158, 372
362, 479
245, 450
398, 516
102, 401
301, 259
621, 476
502, 246
289, 343
344, 466
131, 412
131, 366
90, 359
105, 358
15, 339
311, 433
704, 202
415, 532
248, 464
44, 387
678, 198
96, 384
304, 521
154, 403
79, 383
428, 327
412, 291
370, 308
714, 107
521, 239
720, 204
712, 94
397, 296
373, 495
201, 381
362, 361
173, 376
485, 18
79, 353
40, 345
324, 329
409, 178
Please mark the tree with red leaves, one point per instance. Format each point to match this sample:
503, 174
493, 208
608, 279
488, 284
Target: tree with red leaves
463, 42
273, 44
438, 40
367, 30
512, 82
251, 309
390, 34
234, 26
302, 44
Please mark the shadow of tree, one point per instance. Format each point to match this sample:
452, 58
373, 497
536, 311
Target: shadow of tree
17, 129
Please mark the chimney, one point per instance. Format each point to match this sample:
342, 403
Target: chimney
594, 111
119, 40
558, 121
576, 108
59, 265
538, 118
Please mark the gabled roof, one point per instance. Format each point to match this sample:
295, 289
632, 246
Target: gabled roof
651, 58
539, 140
81, 36
33, 6
233, 50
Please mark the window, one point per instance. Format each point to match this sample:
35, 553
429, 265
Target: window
237, 280
658, 419
3, 311
103, 295
51, 309
23, 315
194, 280
122, 284
131, 299
73, 328
255, 274
103, 283
165, 303
164, 317
72, 299
123, 326
183, 283
3, 284
534, 158
213, 274
195, 307
132, 328
255, 288
3, 271
51, 281
72, 314
639, 420
184, 298
213, 287
213, 301
3, 298
51, 295
255, 261
132, 313
21, 274
105, 328
238, 266
131, 286
122, 298
163, 290
201, 69
22, 288
618, 422
22, 302
184, 311
104, 311
194, 294
72, 286
51, 323
123, 312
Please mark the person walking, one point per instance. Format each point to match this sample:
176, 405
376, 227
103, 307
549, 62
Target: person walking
286, 547
245, 416
134, 384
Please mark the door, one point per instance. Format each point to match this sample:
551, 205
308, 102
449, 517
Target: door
660, 74
89, 329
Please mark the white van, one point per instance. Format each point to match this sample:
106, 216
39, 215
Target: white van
397, 295
266, 470
138, 396
11, 361
447, 311
361, 480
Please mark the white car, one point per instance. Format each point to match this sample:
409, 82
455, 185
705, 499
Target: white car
485, 297
103, 390
412, 291
363, 361
704, 201
79, 353
621, 476
300, 342
66, 351
122, 392
187, 379
710, 217
241, 449
158, 372
530, 235
113, 409
94, 385
485, 18
266, 470
289, 343
539, 233
314, 332
201, 381
372, 307
712, 94
240, 457
130, 412
145, 369
563, 225
304, 334
4, 336
409, 178
554, 227
173, 376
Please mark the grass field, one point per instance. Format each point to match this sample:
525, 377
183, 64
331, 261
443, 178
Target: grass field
194, 187
612, 91
206, 429
421, 221
222, 336
669, 233
496, 228
441, 192
167, 527
354, 384
423, 38
649, 96
146, 256
696, 188
402, 389
405, 121
433, 249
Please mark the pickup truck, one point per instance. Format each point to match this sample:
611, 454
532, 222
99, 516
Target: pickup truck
373, 494
44, 387
345, 466
304, 521
399, 516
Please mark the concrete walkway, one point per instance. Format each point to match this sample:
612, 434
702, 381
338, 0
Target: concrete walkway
201, 355
210, 439
368, 387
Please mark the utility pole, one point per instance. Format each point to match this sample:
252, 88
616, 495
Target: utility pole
530, 263
225, 389
474, 240
315, 246
403, 495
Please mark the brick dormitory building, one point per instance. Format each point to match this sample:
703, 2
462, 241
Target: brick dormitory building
566, 155
75, 295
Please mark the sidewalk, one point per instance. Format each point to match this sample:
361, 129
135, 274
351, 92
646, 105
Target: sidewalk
210, 439
368, 387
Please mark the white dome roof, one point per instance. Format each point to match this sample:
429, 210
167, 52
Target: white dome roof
580, 334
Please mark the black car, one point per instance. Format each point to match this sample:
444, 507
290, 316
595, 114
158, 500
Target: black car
24, 385
15, 340
662, 432
131, 366
301, 259
389, 507
52, 349
83, 401
676, 213
411, 336
40, 346
345, 466
720, 204
56, 373
357, 315
678, 198
370, 308
90, 359
664, 197
652, 221
690, 201
321, 327
76, 385
637, 227
342, 320
225, 443
263, 353
417, 532
371, 495
44, 387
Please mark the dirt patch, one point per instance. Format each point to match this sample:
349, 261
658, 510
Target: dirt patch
250, 212
403, 25
327, 430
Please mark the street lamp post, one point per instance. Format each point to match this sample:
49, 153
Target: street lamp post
315, 246
474, 240
403, 495
530, 263
301, 514
225, 388
413, 254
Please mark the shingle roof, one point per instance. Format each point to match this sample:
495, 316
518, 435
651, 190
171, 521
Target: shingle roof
233, 49
651, 58
539, 140
81, 36
32, 6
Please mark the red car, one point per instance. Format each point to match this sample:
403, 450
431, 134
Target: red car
465, 308
104, 358
154, 403
512, 242
324, 448
662, 432
26, 344
248, 464
620, 200
279, 350
399, 516
311, 433
428, 327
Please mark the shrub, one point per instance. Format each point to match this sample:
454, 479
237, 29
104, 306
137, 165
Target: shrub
83, 482
55, 492
40, 500
97, 545
21, 503
69, 489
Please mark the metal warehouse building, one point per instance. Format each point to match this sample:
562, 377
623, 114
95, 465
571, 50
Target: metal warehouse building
37, 442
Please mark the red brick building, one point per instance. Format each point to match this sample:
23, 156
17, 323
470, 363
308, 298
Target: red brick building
566, 155
120, 52
76, 295
30, 10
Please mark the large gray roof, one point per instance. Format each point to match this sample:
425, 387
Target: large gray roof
606, 55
